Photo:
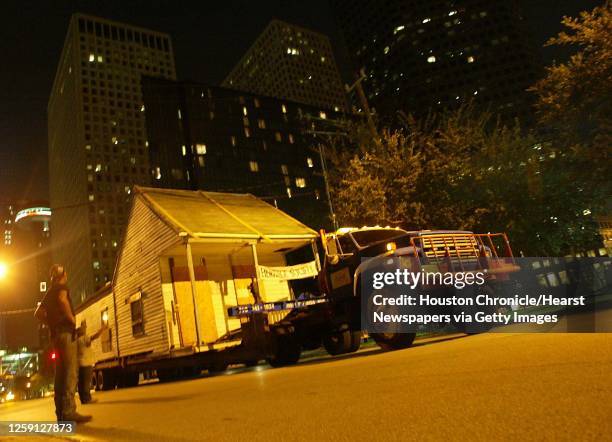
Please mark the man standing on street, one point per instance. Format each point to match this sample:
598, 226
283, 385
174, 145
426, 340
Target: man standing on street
56, 310
86, 361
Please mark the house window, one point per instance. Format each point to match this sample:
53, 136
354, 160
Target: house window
106, 338
136, 310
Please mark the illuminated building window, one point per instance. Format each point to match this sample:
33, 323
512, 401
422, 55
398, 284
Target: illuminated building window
201, 149
431, 59
284, 108
91, 197
309, 162
322, 115
244, 110
289, 192
246, 121
256, 102
201, 161
179, 115
470, 59
184, 150
284, 169
291, 140
92, 58
233, 140
96, 265
300, 182
247, 132
253, 166
261, 124
158, 173
278, 137
100, 59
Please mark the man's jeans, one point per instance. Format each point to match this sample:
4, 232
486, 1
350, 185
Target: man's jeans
65, 373
85, 383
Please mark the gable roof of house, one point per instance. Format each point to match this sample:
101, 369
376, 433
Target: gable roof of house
201, 214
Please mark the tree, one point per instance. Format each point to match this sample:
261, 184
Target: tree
573, 99
465, 170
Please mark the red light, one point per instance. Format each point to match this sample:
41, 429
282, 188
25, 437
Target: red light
53, 355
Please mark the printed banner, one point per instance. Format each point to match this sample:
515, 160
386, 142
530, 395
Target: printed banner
299, 271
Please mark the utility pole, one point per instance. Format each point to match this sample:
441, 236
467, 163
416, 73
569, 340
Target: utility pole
364, 103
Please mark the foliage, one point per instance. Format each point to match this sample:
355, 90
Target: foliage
464, 170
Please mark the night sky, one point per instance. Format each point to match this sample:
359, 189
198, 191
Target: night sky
208, 41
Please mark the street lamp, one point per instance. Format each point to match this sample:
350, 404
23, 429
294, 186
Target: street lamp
3, 270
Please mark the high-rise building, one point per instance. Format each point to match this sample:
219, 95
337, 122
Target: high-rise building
219, 139
428, 55
292, 63
97, 140
25, 255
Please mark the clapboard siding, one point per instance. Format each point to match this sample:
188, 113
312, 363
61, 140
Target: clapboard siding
93, 315
138, 270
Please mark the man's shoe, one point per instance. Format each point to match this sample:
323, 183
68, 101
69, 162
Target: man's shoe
76, 417
91, 401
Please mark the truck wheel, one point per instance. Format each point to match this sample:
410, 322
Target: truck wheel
287, 351
106, 380
393, 341
355, 341
166, 374
338, 343
217, 367
129, 379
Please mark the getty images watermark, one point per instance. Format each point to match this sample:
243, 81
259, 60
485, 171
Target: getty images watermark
522, 294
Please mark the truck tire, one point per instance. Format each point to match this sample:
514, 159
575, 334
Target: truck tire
355, 341
217, 367
167, 374
338, 343
106, 380
129, 379
287, 351
393, 341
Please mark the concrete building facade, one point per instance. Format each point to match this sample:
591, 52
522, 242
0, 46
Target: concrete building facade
98, 147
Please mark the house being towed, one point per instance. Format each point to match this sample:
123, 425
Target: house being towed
186, 257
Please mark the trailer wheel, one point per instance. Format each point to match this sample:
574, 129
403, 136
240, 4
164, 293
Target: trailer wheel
129, 379
94, 380
217, 367
166, 374
106, 380
287, 351
338, 343
393, 341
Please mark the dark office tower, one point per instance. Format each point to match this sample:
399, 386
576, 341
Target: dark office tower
429, 54
220, 139
97, 140
292, 63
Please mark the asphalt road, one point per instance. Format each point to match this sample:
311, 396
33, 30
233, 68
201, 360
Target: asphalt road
483, 387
